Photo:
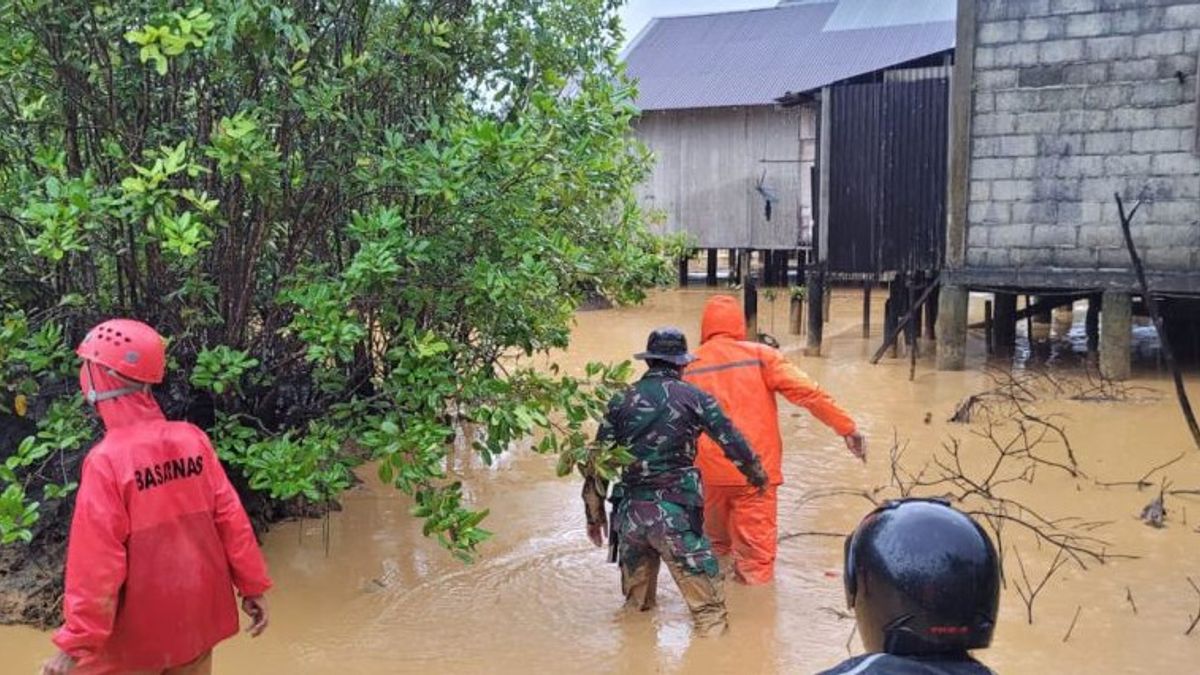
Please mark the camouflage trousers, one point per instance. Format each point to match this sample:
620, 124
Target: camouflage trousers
650, 533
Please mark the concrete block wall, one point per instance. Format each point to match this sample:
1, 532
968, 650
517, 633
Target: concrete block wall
1075, 100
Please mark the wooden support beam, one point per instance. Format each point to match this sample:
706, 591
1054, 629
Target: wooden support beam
905, 320
710, 277
1035, 309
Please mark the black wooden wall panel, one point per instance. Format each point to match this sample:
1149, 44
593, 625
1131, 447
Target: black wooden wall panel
887, 174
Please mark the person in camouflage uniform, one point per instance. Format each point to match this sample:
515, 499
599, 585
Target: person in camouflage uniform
658, 504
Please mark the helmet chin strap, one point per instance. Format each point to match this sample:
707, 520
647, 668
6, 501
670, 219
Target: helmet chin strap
93, 397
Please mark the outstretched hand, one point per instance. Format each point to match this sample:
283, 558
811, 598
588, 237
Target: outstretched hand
856, 443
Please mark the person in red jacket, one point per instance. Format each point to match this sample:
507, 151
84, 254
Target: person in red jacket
744, 377
159, 539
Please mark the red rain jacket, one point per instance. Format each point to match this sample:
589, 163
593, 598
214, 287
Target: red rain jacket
744, 377
158, 542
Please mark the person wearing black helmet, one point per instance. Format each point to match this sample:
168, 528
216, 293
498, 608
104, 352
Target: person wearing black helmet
658, 505
923, 580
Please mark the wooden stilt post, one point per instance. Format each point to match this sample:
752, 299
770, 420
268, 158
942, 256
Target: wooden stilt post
987, 327
1004, 323
735, 266
1092, 322
931, 310
913, 330
866, 324
796, 315
898, 299
750, 304
743, 259
683, 271
889, 318
1029, 321
711, 276
816, 310
828, 287
894, 332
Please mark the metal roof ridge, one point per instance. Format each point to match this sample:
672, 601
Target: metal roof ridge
623, 55
748, 10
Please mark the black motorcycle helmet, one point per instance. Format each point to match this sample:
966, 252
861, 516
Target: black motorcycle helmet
923, 579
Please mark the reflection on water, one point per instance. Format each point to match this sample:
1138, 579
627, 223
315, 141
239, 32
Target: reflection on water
385, 600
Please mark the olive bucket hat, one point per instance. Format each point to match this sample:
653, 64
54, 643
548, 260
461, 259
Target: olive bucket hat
667, 344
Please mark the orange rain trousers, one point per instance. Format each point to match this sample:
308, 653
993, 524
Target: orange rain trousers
742, 523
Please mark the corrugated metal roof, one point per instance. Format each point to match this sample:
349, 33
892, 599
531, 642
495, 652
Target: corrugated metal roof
754, 57
859, 14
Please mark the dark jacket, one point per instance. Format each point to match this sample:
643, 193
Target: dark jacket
886, 664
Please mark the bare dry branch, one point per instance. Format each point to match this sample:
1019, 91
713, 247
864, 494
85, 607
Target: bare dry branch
811, 533
1071, 629
1144, 481
1197, 619
838, 614
1030, 592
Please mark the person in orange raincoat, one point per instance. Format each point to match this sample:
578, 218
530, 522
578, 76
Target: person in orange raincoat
159, 539
744, 377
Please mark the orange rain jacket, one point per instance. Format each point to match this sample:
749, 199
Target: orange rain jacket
744, 377
158, 542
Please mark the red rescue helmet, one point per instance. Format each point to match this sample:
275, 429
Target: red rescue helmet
128, 348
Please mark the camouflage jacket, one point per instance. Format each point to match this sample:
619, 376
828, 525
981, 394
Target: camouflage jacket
659, 419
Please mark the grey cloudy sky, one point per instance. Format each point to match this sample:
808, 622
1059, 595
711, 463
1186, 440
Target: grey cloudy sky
637, 13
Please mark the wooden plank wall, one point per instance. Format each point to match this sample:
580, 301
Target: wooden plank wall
707, 163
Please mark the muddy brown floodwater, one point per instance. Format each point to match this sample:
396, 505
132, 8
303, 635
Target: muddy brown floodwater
542, 599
